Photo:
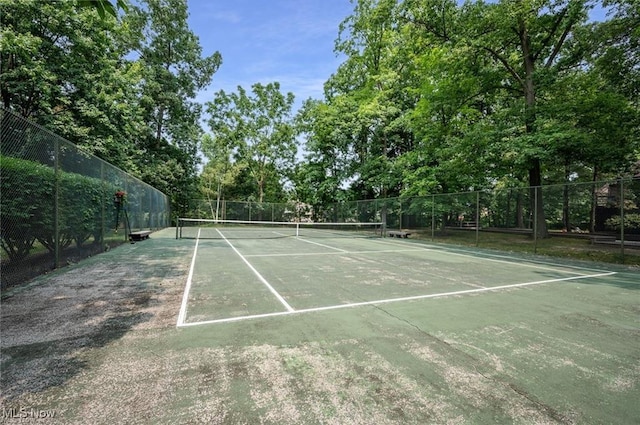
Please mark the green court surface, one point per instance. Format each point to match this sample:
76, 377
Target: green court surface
297, 330
244, 278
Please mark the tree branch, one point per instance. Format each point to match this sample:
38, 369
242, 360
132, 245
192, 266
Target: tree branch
551, 33
432, 29
504, 62
558, 46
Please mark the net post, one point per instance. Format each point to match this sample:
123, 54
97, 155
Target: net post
297, 229
622, 219
177, 227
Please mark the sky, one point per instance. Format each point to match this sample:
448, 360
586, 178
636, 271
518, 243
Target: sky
288, 41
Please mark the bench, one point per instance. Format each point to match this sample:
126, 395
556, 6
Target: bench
398, 234
602, 239
140, 235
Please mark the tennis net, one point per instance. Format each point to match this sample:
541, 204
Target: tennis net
189, 228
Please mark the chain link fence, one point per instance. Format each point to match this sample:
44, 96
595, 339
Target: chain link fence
250, 210
58, 204
603, 215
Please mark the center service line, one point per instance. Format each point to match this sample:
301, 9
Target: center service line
262, 279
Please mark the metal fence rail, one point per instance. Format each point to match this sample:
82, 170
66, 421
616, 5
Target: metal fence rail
602, 212
58, 203
605, 211
250, 210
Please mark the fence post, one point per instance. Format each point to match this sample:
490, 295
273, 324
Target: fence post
477, 218
383, 217
433, 217
149, 209
56, 204
535, 219
103, 211
622, 219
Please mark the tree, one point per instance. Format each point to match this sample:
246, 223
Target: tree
615, 48
105, 7
323, 177
530, 40
376, 81
258, 130
173, 70
219, 173
57, 72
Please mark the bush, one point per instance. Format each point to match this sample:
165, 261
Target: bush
631, 223
27, 213
28, 207
81, 205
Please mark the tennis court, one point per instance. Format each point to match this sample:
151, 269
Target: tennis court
253, 270
239, 324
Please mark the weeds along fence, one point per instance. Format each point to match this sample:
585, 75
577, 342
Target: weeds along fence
58, 203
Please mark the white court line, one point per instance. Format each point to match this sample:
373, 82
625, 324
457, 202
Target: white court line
392, 300
294, 254
508, 260
315, 243
321, 244
185, 297
262, 279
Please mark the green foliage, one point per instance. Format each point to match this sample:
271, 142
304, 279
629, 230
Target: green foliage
28, 214
438, 97
122, 88
258, 129
83, 202
104, 7
631, 223
433, 96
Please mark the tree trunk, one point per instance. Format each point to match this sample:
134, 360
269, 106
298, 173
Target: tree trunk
537, 205
535, 167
